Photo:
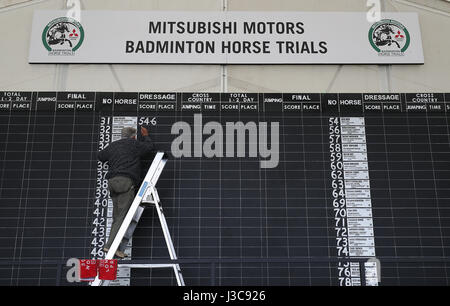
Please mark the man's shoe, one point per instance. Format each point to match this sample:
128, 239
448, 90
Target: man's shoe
121, 254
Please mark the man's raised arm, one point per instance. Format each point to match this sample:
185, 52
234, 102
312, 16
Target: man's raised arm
146, 146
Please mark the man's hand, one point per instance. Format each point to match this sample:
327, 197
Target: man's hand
144, 131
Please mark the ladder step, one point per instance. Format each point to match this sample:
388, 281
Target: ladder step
146, 265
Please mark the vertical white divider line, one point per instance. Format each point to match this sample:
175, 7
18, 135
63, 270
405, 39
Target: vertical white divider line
61, 70
223, 88
224, 68
384, 70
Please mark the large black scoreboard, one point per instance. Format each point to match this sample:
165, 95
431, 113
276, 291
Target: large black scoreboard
261, 188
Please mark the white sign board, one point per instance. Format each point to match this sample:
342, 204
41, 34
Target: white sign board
231, 37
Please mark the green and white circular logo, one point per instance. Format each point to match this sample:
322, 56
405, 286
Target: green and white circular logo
389, 37
63, 36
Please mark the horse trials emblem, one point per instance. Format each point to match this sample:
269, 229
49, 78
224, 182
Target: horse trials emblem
63, 36
389, 38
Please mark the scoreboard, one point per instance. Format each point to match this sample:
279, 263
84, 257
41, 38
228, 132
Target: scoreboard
334, 189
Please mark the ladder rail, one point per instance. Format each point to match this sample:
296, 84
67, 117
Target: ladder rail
167, 237
146, 266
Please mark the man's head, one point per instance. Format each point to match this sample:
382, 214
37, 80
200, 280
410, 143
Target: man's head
128, 132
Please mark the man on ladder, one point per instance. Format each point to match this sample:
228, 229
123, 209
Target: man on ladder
124, 159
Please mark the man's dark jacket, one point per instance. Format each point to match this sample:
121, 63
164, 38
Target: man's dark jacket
124, 157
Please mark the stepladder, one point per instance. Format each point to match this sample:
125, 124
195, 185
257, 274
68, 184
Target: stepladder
146, 197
